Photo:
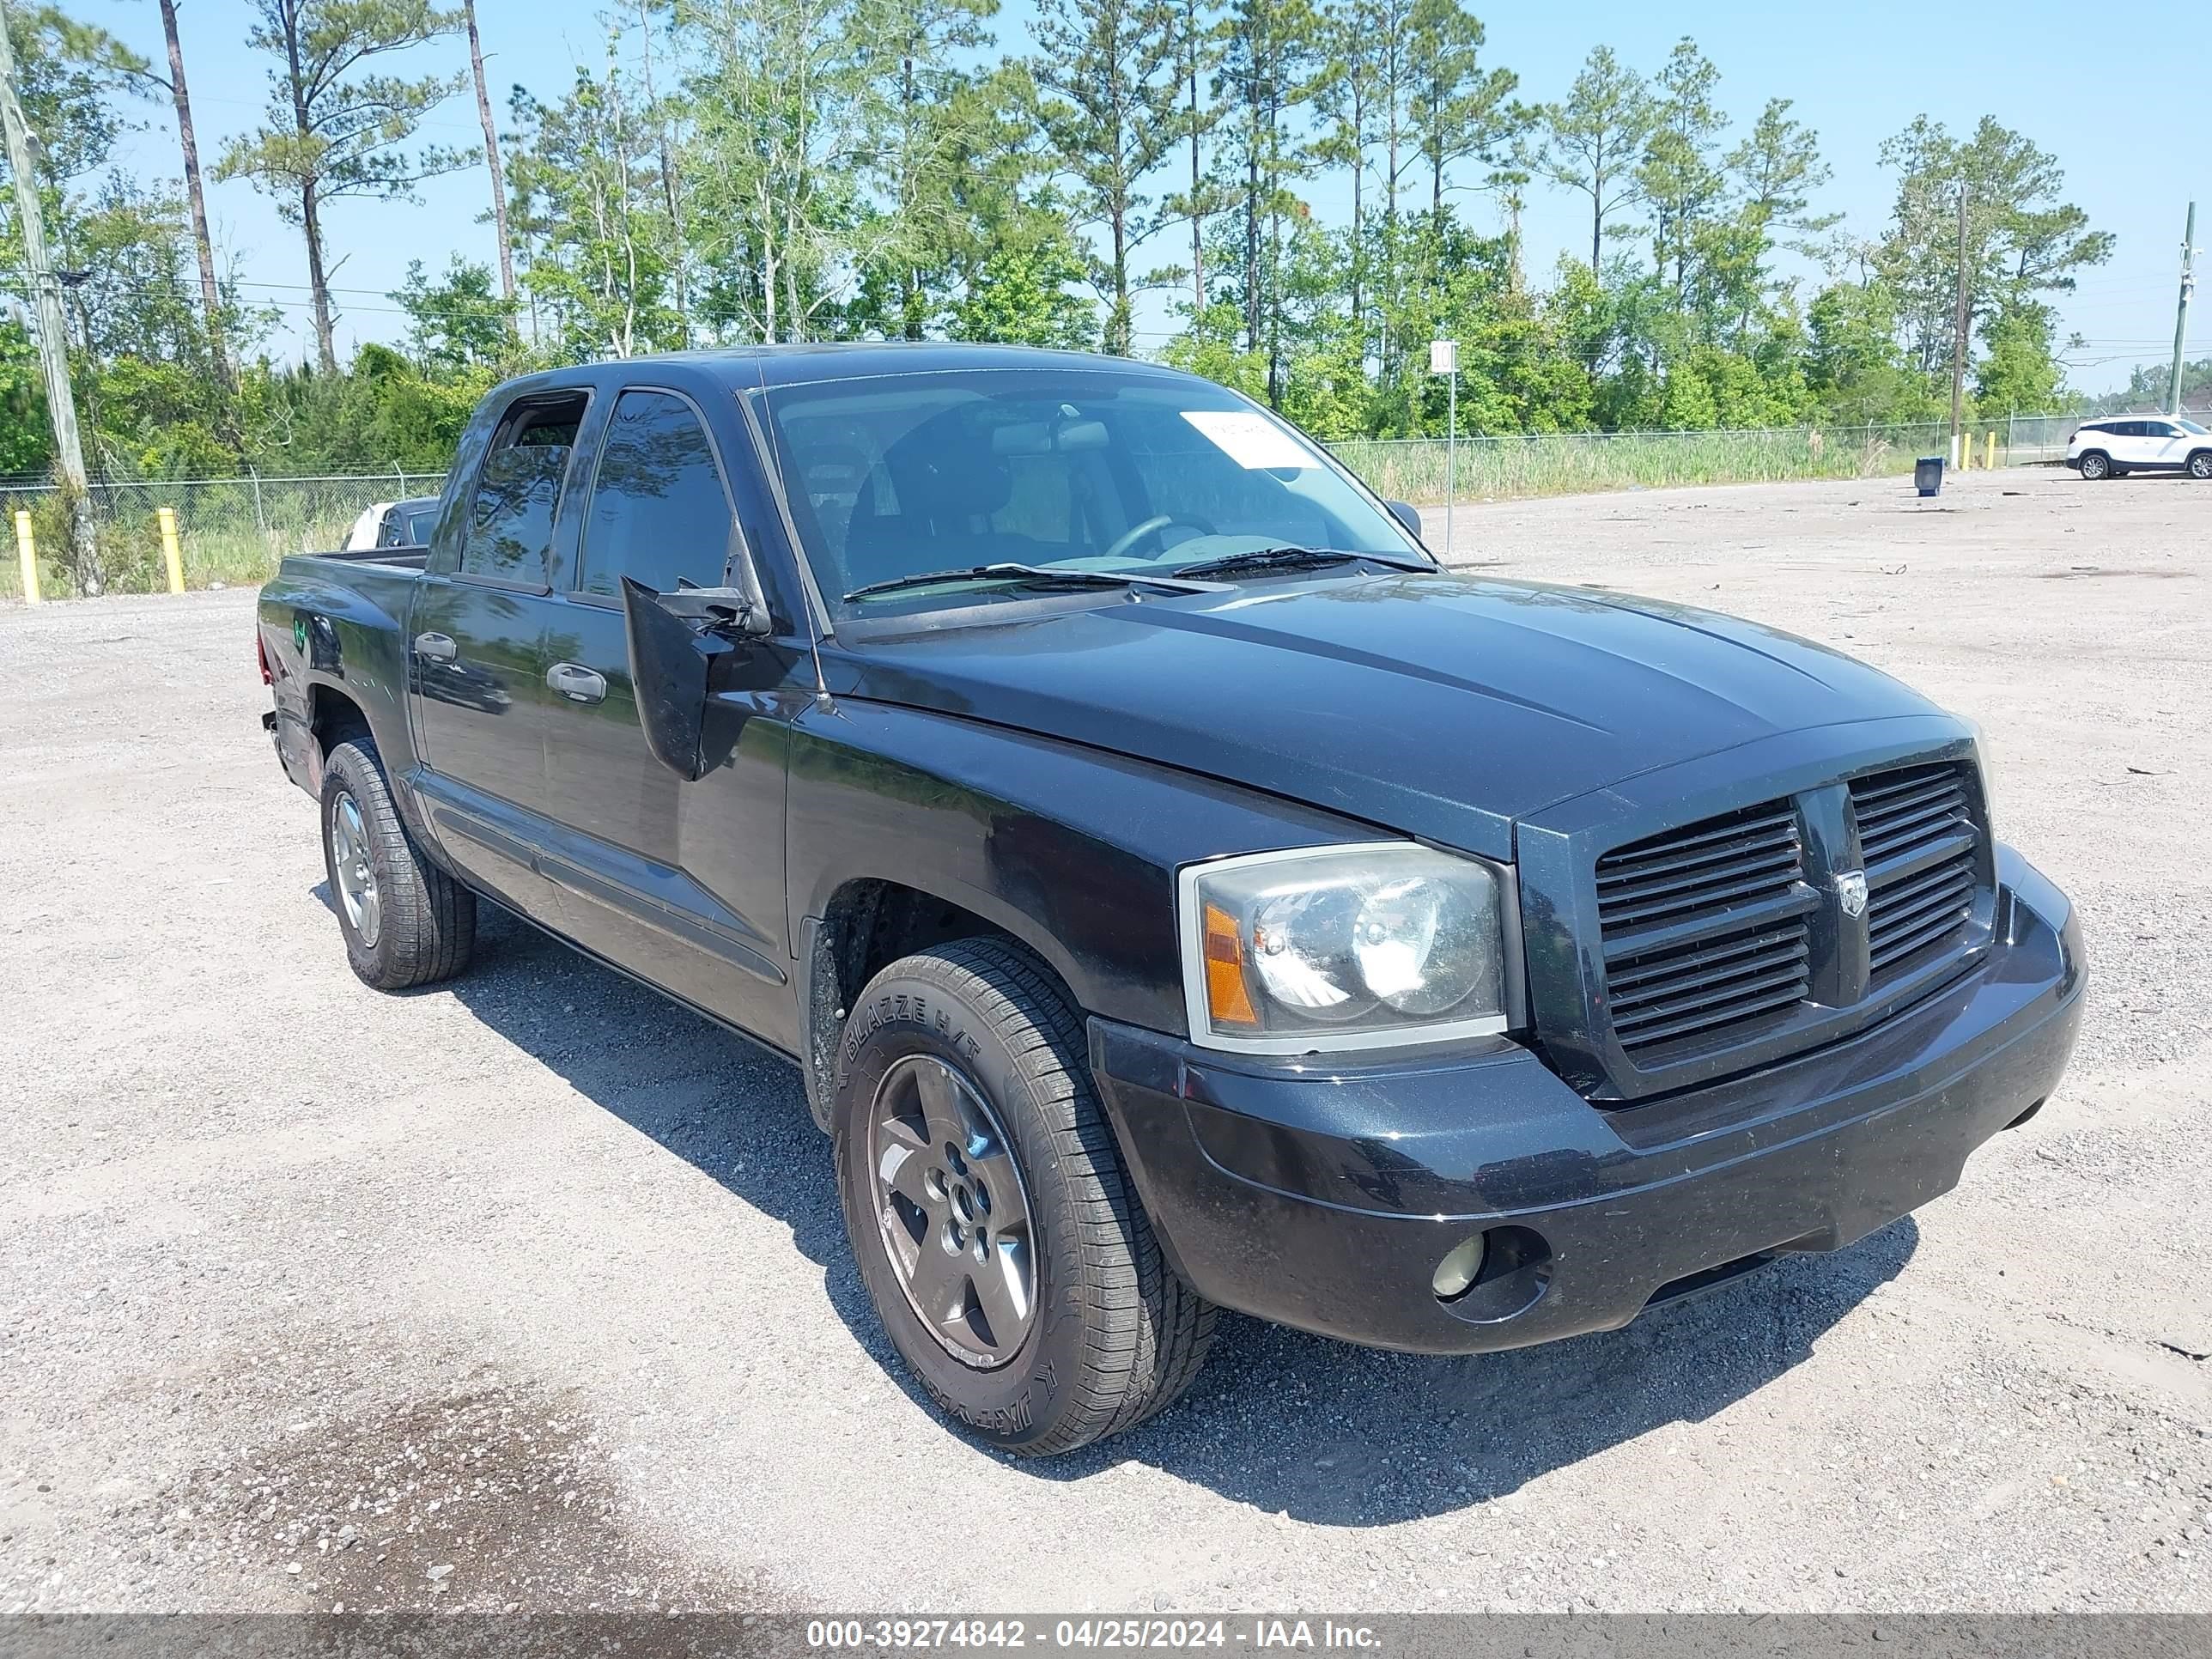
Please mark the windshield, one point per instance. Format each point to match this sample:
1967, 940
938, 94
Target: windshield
1067, 469
2191, 426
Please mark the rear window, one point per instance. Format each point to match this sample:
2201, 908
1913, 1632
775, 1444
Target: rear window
510, 527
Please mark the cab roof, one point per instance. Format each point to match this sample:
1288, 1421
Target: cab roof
796, 364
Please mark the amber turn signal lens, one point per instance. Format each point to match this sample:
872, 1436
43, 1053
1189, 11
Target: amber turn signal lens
1226, 998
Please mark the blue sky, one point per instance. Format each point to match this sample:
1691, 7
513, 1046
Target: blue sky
1857, 75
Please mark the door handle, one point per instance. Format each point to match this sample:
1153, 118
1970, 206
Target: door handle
576, 682
438, 647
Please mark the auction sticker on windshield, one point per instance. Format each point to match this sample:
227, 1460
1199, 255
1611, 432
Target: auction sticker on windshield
1251, 441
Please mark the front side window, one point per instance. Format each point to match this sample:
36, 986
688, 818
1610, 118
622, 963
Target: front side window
658, 513
1074, 469
510, 528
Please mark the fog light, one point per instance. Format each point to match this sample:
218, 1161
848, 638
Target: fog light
1456, 1272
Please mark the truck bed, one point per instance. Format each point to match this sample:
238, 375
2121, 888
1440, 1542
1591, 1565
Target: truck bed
404, 558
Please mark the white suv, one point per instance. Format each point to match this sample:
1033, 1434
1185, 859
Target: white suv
2113, 448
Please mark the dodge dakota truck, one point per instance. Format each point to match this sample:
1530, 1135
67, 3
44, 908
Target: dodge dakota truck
1176, 890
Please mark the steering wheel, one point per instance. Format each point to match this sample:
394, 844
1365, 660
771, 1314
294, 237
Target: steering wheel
1153, 527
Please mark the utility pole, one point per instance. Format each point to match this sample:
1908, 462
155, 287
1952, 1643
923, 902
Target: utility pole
47, 314
2181, 310
1959, 341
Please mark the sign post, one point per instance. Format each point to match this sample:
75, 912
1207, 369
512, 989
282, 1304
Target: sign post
1444, 359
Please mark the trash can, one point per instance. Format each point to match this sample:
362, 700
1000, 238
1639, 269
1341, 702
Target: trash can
1927, 474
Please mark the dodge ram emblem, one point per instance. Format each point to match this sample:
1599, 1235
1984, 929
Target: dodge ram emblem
1851, 888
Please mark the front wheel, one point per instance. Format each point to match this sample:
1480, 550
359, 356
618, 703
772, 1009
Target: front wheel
2200, 463
2095, 466
1000, 1237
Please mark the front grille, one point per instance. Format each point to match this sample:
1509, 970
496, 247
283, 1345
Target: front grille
1742, 938
1704, 930
1919, 843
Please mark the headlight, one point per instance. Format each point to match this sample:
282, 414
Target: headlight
1345, 947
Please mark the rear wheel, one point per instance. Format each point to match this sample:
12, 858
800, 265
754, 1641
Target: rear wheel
2200, 463
406, 922
2095, 465
1000, 1237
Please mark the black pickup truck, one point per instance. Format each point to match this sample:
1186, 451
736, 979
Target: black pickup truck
1176, 890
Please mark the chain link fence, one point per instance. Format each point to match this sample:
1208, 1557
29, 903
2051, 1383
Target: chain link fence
234, 531
2033, 438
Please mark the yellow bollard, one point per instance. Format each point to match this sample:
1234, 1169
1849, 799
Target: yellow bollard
1989, 454
1965, 452
170, 551
27, 551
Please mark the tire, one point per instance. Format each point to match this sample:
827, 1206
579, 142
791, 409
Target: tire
2200, 464
977, 1034
2096, 465
406, 922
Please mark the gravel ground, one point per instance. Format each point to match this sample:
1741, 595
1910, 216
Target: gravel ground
530, 1291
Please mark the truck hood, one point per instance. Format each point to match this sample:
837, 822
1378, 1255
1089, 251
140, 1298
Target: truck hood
1435, 704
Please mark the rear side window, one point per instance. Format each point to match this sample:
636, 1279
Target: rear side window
659, 515
510, 529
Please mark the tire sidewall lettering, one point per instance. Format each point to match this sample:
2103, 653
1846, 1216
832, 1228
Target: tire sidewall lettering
947, 1025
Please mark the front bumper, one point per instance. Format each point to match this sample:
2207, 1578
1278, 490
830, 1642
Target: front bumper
1323, 1194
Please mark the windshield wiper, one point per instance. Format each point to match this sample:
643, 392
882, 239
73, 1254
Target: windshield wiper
1034, 574
1286, 558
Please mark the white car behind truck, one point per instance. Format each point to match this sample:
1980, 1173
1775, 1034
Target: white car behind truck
2113, 447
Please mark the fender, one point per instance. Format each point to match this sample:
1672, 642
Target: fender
342, 633
1070, 850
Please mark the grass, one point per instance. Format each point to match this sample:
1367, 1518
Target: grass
221, 539
1509, 468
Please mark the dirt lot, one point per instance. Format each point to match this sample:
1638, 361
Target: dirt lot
532, 1290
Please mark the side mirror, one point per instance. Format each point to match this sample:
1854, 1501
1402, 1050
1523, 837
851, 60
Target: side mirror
1408, 515
674, 639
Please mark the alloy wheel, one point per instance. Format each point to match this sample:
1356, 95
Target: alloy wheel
357, 881
952, 1210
